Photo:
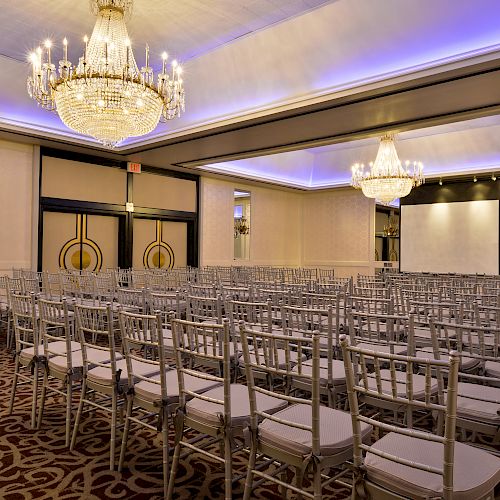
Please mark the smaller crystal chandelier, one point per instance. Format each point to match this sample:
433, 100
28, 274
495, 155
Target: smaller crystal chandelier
241, 227
387, 179
105, 95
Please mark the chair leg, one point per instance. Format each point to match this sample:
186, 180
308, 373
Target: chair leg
165, 449
251, 465
179, 431
112, 444
317, 484
299, 477
34, 403
78, 414
125, 432
228, 466
69, 400
14, 386
42, 399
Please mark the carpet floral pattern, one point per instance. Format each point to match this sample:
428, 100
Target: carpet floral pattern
35, 464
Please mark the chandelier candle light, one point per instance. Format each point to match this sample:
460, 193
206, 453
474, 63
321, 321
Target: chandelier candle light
387, 179
105, 95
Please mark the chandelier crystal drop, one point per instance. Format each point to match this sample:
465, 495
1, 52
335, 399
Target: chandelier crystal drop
105, 95
387, 179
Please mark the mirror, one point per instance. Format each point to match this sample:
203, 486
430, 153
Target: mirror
387, 233
241, 225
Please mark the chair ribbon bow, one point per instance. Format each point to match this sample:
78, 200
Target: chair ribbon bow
179, 423
313, 461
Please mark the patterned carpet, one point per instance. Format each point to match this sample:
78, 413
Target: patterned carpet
37, 465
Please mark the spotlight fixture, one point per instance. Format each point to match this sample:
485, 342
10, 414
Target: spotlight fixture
493, 177
440, 182
475, 179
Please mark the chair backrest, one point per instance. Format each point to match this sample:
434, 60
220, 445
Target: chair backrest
164, 303
25, 322
202, 308
374, 305
95, 328
470, 341
357, 376
131, 299
142, 341
256, 315
262, 353
382, 329
207, 345
55, 326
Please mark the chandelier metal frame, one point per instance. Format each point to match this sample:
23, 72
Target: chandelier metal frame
105, 95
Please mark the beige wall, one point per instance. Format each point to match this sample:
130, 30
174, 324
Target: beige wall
275, 229
326, 229
17, 191
338, 231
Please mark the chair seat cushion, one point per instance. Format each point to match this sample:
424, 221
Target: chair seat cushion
208, 412
466, 363
102, 375
476, 472
338, 371
492, 368
335, 431
418, 384
59, 363
484, 407
56, 348
151, 392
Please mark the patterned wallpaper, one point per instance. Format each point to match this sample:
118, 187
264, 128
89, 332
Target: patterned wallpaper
275, 229
16, 184
331, 228
338, 228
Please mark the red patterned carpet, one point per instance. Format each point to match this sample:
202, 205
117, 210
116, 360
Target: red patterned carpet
37, 465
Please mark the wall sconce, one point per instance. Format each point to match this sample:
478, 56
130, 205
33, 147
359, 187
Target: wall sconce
475, 179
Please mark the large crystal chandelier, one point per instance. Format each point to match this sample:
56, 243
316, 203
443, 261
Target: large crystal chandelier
387, 179
105, 95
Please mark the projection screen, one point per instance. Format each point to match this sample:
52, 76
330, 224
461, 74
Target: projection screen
460, 237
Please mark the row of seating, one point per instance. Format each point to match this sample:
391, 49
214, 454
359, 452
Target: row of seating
284, 357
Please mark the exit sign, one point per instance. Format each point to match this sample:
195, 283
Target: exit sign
135, 168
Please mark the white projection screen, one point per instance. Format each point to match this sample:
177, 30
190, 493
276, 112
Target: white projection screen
461, 237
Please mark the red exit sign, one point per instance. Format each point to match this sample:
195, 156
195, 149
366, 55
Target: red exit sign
135, 168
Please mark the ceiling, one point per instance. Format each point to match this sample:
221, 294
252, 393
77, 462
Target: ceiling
465, 147
249, 61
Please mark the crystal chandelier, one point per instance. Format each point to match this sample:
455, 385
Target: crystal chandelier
241, 227
105, 95
387, 179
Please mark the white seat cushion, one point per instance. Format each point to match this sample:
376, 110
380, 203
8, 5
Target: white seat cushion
207, 412
102, 375
152, 392
418, 384
476, 472
338, 371
335, 431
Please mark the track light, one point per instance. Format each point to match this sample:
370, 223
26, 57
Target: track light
475, 179
440, 182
